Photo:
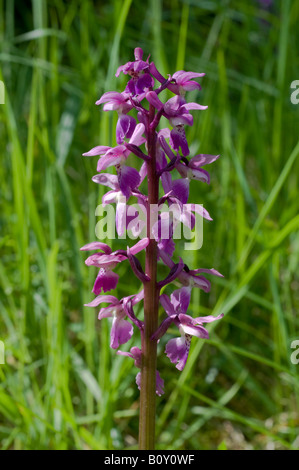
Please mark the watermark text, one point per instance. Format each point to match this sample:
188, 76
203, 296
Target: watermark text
177, 222
2, 92
295, 354
295, 93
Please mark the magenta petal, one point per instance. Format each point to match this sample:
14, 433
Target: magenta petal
208, 319
181, 76
121, 332
110, 197
163, 327
124, 128
139, 65
97, 246
138, 380
115, 101
137, 138
198, 331
153, 70
183, 169
143, 171
180, 299
139, 246
106, 180
131, 87
166, 182
124, 68
129, 311
109, 160
173, 105
138, 297
120, 219
167, 305
106, 280
189, 86
181, 119
110, 96
199, 209
208, 271
168, 246
202, 159
192, 106
200, 175
138, 53
159, 384
190, 328
178, 140
181, 189
104, 261
99, 150
143, 82
177, 350
153, 99
136, 267
128, 179
165, 133
102, 299
135, 353
202, 283
106, 312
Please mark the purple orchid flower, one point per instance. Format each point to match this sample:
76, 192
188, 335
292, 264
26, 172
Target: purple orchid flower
114, 101
191, 278
121, 330
165, 151
116, 196
119, 101
141, 80
184, 82
135, 353
177, 349
189, 170
179, 82
176, 110
128, 178
107, 279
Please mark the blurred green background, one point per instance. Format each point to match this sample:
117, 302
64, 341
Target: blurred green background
62, 387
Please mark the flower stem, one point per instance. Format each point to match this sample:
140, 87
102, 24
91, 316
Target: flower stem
151, 305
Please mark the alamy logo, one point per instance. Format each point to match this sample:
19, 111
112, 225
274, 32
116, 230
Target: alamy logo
183, 221
2, 353
2, 93
295, 354
295, 94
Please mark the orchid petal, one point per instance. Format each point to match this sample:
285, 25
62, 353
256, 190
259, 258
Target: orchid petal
106, 280
121, 332
128, 179
106, 180
102, 299
124, 128
97, 246
99, 150
177, 350
139, 246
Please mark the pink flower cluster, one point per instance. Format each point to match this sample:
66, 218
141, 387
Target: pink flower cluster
172, 156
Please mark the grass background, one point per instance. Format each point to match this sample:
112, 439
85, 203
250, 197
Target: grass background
62, 387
